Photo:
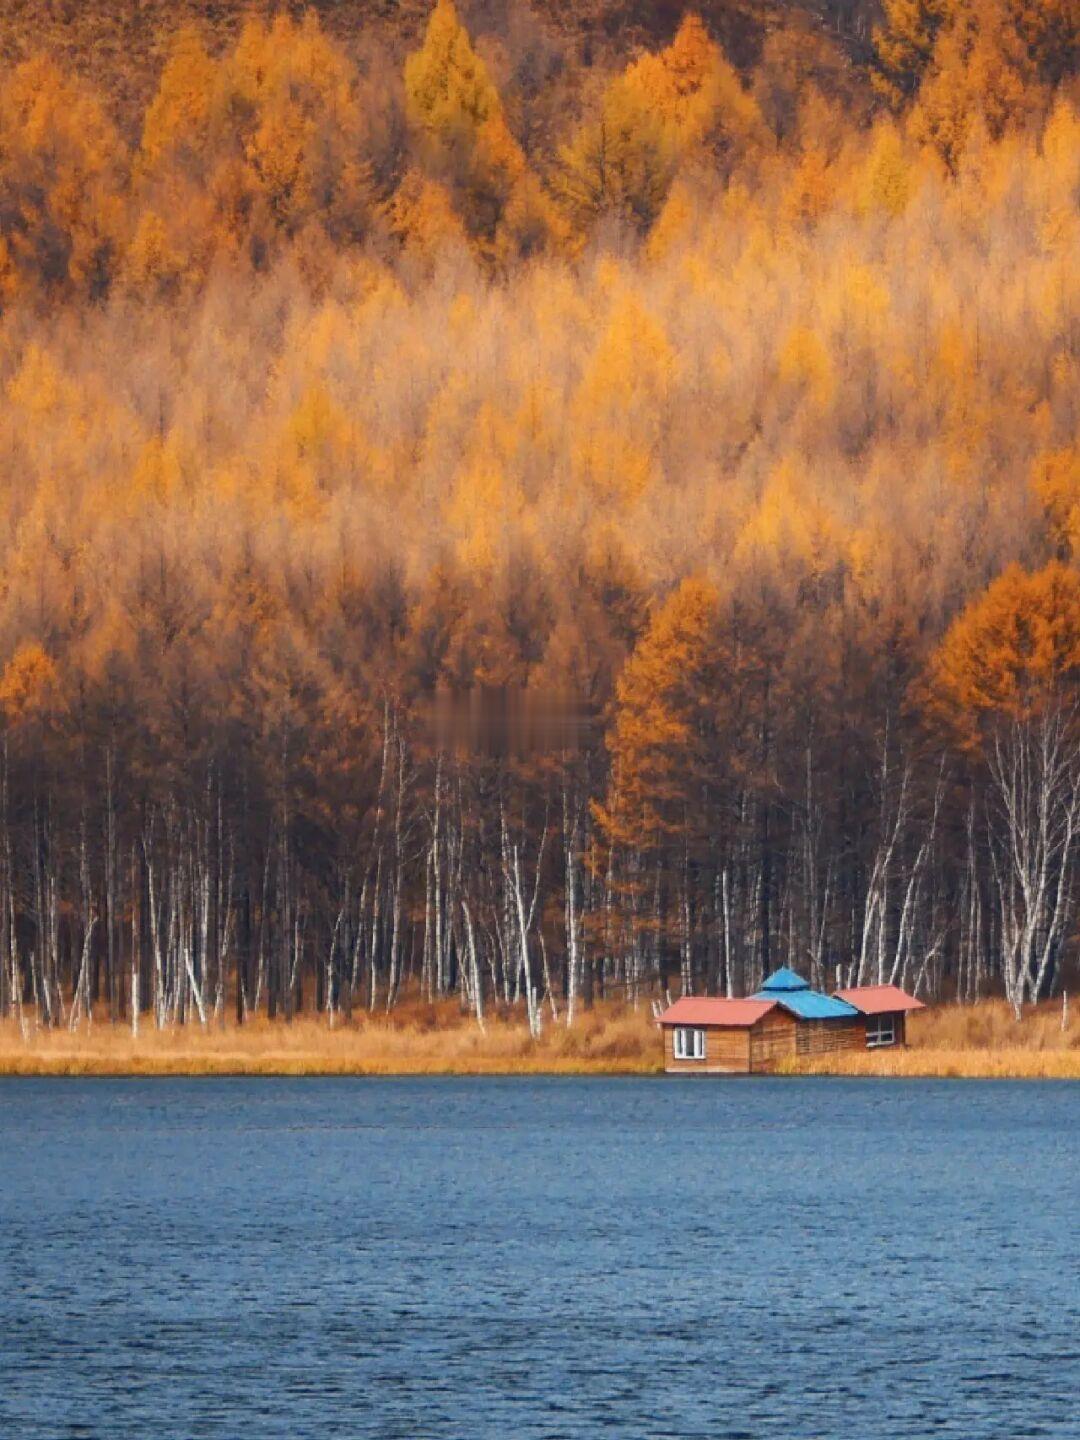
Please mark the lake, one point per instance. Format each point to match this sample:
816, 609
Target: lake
463, 1258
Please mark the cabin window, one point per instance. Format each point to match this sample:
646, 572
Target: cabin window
880, 1030
689, 1044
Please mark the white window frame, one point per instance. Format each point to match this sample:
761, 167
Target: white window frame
689, 1043
880, 1031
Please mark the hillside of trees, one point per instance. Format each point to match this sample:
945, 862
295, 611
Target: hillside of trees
121, 43
705, 383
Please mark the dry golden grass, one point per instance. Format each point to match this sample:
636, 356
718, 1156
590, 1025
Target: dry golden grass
1009, 1064
612, 1039
414, 1040
973, 1042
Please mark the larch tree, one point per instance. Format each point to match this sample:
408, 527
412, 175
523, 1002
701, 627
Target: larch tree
305, 144
464, 140
62, 173
617, 409
264, 143
1007, 674
619, 163
979, 72
423, 217
904, 45
697, 95
887, 178
666, 109
654, 821
1015, 651
1055, 478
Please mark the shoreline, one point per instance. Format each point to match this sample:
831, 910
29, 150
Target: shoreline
612, 1039
921, 1064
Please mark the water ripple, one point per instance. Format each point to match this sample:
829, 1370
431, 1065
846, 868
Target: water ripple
550, 1260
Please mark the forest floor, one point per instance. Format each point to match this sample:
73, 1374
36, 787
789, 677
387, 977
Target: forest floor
611, 1039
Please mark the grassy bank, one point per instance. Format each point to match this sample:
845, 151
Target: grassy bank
973, 1042
418, 1039
1012, 1063
414, 1040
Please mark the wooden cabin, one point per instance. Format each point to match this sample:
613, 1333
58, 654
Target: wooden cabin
725, 1037
784, 1019
748, 1037
884, 1009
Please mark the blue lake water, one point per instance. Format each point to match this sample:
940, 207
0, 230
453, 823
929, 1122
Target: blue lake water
538, 1258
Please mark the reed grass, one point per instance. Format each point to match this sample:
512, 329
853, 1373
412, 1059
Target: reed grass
981, 1041
611, 1039
1013, 1063
413, 1040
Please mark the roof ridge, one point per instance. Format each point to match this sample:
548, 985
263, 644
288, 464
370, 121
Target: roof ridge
784, 978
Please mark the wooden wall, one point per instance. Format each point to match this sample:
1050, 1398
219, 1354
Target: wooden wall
771, 1039
727, 1052
757, 1050
824, 1037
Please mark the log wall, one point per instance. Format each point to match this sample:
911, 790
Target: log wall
771, 1039
826, 1037
727, 1052
758, 1050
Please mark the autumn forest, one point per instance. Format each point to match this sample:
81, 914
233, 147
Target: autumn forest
697, 404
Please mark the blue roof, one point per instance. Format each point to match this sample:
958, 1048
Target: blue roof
783, 979
809, 1005
794, 993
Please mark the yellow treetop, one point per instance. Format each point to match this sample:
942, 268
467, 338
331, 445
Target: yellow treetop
61, 174
181, 110
423, 217
27, 682
979, 72
886, 176
453, 105
618, 407
663, 698
619, 163
1014, 650
447, 86
307, 132
662, 109
269, 139
789, 524
693, 90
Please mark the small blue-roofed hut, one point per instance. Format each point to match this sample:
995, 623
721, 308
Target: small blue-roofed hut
748, 1037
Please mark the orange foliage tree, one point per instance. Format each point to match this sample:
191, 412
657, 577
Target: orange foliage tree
62, 177
355, 378
263, 143
1015, 650
464, 139
1012, 662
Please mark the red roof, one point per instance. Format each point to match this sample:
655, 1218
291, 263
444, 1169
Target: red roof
696, 1010
879, 999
